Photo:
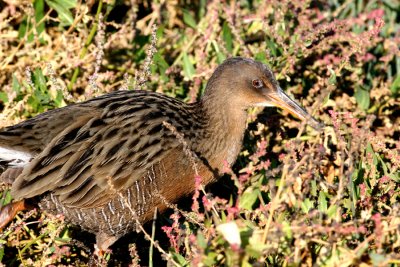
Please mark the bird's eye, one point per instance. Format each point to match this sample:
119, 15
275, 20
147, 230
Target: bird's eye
257, 83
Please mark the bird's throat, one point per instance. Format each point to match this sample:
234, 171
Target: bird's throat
222, 138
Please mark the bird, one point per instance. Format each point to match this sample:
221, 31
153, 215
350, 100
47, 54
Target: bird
107, 163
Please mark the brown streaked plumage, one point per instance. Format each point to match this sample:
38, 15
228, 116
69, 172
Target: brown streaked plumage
97, 160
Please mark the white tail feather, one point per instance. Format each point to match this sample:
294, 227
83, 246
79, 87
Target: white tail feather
14, 158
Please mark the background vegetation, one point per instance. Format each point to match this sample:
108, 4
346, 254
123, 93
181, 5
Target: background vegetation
295, 197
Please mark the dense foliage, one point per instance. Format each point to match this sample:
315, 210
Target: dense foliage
295, 196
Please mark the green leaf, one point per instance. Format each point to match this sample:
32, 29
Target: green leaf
220, 56
331, 212
255, 251
202, 8
287, 230
58, 100
68, 4
255, 247
260, 56
209, 259
247, 264
39, 15
5, 198
227, 36
362, 98
188, 68
308, 42
307, 205
255, 27
383, 164
348, 204
201, 241
3, 97
377, 259
32, 102
322, 202
249, 198
395, 87
369, 148
332, 78
281, 27
188, 19
272, 47
179, 259
395, 177
161, 65
314, 188
326, 99
39, 80
24, 28
160, 31
16, 86
64, 14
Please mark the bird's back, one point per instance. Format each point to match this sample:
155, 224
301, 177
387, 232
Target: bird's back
84, 152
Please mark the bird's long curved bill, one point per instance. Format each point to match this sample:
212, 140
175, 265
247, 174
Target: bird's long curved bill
282, 100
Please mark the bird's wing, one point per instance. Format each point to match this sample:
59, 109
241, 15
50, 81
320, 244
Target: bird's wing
30, 137
89, 161
20, 143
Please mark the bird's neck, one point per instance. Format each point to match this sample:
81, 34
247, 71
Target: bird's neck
221, 138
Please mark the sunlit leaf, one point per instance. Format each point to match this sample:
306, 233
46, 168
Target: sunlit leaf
16, 86
332, 78
227, 36
201, 241
249, 198
395, 87
3, 97
63, 12
220, 56
326, 99
67, 3
161, 64
25, 28
307, 205
188, 68
377, 259
179, 259
188, 19
287, 230
39, 15
39, 80
331, 212
362, 98
322, 202
1, 253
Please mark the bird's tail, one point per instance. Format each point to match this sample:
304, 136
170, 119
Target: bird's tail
12, 162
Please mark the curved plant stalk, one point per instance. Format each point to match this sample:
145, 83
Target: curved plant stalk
87, 43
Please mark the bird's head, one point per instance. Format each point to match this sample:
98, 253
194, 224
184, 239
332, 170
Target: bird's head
244, 83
